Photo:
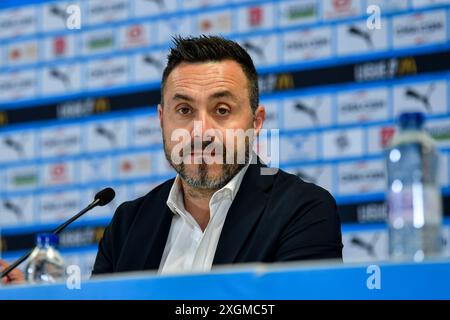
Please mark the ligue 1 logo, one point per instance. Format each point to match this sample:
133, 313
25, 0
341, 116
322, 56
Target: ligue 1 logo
342, 5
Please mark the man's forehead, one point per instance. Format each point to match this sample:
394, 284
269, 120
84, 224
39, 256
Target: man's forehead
218, 93
215, 79
227, 69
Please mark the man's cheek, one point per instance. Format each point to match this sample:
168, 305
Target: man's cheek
178, 141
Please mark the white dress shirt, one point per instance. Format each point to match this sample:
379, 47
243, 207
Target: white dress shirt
188, 248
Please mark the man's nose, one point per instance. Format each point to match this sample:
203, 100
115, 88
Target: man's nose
202, 124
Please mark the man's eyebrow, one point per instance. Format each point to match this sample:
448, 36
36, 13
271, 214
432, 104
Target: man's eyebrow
180, 96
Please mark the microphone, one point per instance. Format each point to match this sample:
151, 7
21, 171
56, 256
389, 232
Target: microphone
103, 197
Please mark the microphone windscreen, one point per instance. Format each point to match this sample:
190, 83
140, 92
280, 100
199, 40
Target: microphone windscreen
105, 196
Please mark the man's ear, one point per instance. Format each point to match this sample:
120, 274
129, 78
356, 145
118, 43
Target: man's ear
160, 114
259, 118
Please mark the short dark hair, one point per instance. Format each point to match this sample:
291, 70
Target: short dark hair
212, 48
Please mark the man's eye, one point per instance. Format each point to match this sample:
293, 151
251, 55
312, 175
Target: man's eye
184, 110
223, 111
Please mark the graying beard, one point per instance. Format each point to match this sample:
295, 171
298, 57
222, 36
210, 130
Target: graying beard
229, 171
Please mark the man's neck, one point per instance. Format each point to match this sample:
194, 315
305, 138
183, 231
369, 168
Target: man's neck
196, 202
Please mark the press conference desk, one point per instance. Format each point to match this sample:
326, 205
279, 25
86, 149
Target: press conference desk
426, 280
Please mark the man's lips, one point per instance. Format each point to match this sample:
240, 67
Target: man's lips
212, 154
203, 152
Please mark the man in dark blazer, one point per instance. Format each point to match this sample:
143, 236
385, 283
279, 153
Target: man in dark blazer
217, 213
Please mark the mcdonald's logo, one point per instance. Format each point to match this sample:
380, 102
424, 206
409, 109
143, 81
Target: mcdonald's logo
284, 81
3, 118
407, 66
3, 246
102, 105
99, 233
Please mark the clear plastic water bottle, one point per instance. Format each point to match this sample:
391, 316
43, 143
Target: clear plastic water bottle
46, 264
414, 200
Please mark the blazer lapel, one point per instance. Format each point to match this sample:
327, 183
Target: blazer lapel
147, 237
243, 214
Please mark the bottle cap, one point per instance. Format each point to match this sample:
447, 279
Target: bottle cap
411, 120
47, 239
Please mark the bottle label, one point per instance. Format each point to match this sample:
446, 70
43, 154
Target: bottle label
416, 205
